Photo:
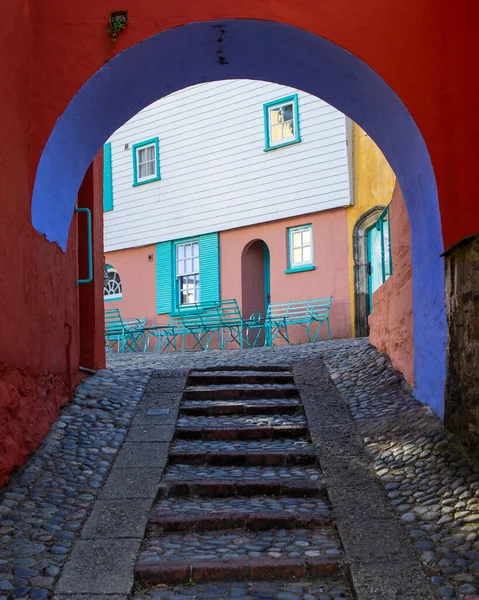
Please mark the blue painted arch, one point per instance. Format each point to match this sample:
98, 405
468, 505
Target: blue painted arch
259, 50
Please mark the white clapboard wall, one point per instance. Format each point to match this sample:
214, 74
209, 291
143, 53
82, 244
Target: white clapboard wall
215, 174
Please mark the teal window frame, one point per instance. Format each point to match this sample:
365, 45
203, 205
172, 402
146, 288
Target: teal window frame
293, 98
151, 142
176, 284
386, 264
304, 266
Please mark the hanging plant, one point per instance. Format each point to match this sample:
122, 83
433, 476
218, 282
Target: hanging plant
118, 22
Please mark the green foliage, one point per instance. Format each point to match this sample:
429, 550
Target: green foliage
118, 22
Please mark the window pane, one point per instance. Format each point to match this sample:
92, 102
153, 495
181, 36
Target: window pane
141, 155
296, 239
150, 168
188, 265
196, 249
150, 153
275, 116
180, 251
142, 171
287, 112
196, 265
297, 256
188, 250
288, 130
306, 235
180, 268
307, 254
276, 133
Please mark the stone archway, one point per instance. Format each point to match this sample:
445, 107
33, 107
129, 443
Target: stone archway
360, 259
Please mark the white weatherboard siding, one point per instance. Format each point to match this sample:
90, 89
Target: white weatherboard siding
214, 172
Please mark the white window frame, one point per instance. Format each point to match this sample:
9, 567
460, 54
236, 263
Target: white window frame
300, 265
109, 297
137, 149
275, 104
185, 272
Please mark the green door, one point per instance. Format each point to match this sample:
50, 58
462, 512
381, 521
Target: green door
375, 275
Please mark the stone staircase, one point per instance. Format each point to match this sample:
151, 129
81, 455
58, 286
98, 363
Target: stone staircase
242, 510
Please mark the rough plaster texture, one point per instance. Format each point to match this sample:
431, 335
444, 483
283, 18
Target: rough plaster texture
391, 321
462, 386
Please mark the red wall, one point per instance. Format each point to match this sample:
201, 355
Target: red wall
427, 62
391, 321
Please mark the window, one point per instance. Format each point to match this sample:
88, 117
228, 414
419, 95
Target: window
300, 242
112, 288
146, 162
382, 246
188, 272
281, 122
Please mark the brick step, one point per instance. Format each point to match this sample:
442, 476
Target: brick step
265, 406
324, 587
256, 512
241, 427
200, 378
198, 571
244, 452
233, 553
190, 480
221, 392
224, 488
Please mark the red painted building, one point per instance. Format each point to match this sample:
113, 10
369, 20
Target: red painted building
401, 69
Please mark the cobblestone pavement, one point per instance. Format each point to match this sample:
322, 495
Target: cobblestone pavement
424, 471
44, 506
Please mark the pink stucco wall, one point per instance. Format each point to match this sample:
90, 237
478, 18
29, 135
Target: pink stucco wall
331, 276
391, 321
138, 278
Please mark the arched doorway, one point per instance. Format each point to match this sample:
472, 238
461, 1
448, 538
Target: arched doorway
363, 283
255, 278
268, 51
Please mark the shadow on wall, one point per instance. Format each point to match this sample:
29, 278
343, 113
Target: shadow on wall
392, 321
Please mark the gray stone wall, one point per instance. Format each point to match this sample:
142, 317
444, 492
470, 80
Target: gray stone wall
462, 298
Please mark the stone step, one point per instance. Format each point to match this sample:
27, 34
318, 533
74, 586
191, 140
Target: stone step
334, 586
207, 481
212, 377
220, 392
257, 512
244, 452
238, 554
241, 427
253, 406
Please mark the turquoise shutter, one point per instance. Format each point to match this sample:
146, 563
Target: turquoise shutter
209, 267
107, 178
164, 277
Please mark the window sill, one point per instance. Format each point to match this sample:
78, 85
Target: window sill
270, 148
300, 269
106, 299
138, 183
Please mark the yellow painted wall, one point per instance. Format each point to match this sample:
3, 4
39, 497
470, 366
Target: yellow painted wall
373, 181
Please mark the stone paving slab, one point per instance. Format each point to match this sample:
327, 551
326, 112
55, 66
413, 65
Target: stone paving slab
131, 483
151, 432
143, 455
100, 567
110, 519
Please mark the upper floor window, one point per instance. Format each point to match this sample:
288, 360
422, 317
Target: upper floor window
281, 122
188, 272
300, 242
112, 289
146, 161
